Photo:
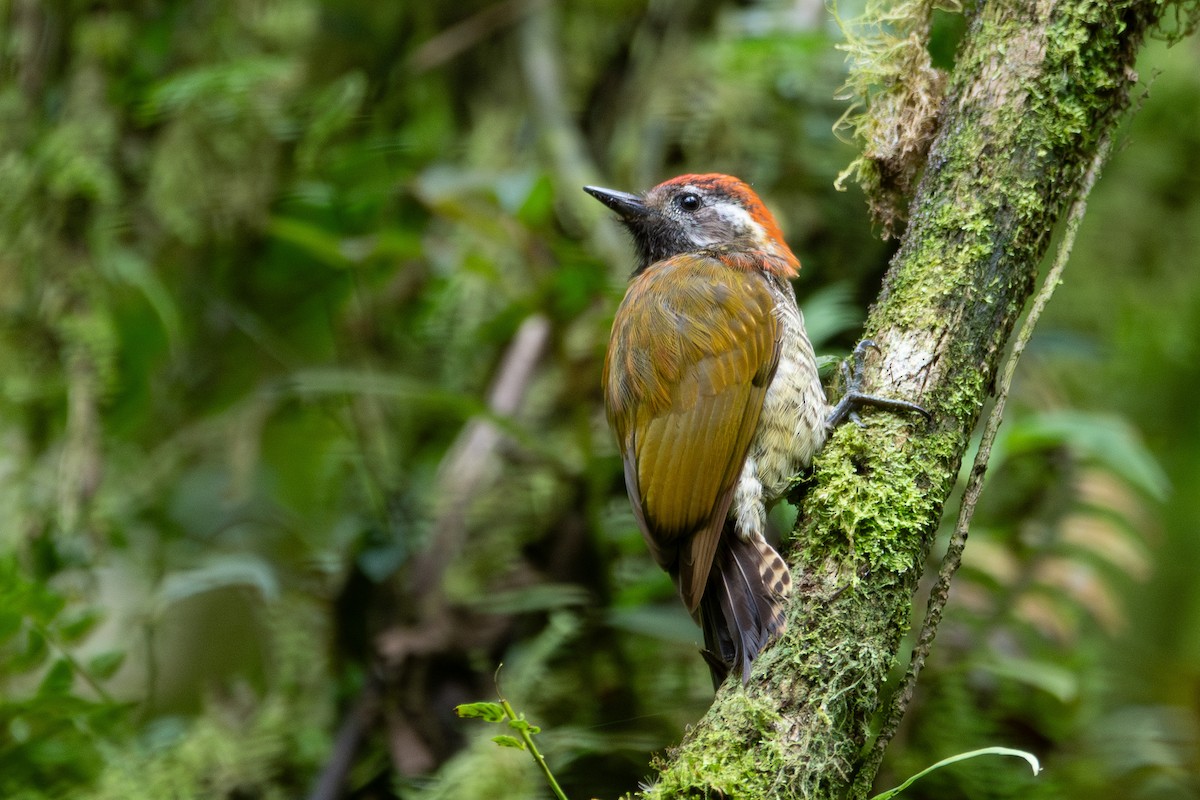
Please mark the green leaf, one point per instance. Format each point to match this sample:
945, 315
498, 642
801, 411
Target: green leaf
522, 725
670, 623
221, 572
828, 312
334, 107
489, 712
319, 243
945, 762
540, 597
106, 665
538, 203
380, 562
325, 381
58, 679
124, 265
10, 624
217, 87
33, 653
1105, 439
75, 629
825, 364
1060, 682
509, 741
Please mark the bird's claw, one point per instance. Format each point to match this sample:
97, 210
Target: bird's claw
862, 347
854, 398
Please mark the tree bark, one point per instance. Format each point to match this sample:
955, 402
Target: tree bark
1036, 87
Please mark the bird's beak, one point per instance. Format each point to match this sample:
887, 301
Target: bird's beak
628, 206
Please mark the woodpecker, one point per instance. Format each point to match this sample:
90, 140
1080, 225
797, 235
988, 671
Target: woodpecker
711, 388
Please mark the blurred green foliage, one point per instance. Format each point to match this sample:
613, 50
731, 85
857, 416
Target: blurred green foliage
261, 264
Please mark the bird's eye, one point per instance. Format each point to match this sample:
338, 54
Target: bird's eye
689, 202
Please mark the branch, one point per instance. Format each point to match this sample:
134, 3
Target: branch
952, 560
1038, 85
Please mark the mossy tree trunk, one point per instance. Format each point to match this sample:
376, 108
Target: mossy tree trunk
1037, 86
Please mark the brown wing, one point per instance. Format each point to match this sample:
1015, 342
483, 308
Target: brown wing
693, 348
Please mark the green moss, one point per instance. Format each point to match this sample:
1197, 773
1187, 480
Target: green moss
703, 766
895, 93
880, 523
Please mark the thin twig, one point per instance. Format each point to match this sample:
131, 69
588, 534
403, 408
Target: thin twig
938, 596
464, 35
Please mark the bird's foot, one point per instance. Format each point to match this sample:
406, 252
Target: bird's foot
854, 398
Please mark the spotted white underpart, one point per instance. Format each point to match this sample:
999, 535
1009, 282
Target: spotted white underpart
792, 426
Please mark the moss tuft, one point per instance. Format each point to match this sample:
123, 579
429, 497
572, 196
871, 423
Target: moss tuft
703, 767
879, 524
895, 93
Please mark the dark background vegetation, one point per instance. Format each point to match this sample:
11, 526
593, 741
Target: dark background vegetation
260, 263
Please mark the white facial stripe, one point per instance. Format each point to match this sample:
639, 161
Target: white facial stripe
738, 218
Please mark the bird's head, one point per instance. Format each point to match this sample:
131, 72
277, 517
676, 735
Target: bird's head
694, 213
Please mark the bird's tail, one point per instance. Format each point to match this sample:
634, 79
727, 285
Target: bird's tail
742, 609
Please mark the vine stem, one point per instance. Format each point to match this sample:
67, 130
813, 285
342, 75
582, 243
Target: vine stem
537, 755
522, 727
951, 561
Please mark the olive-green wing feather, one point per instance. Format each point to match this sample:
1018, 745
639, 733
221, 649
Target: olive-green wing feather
693, 349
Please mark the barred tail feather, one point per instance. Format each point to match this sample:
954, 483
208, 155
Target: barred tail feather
742, 609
